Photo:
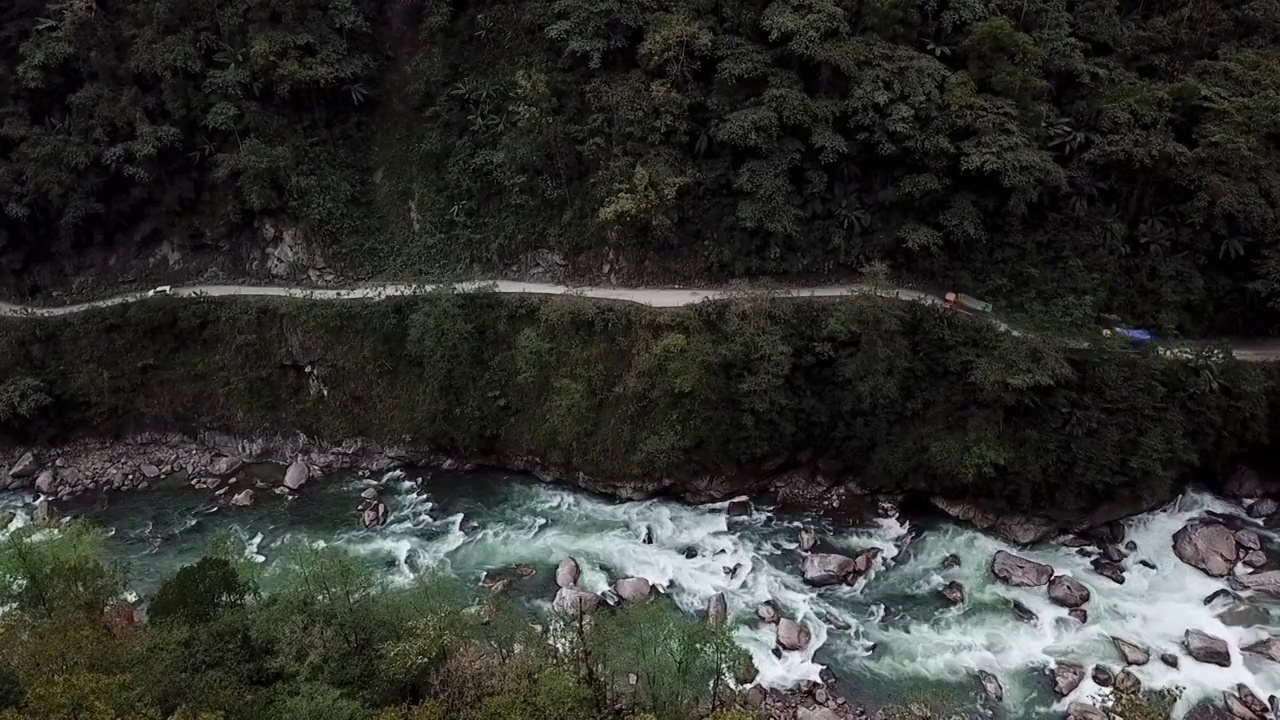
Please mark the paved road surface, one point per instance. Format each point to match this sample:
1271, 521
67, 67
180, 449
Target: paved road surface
1248, 351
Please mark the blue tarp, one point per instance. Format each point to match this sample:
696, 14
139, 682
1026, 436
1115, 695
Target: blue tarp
1135, 335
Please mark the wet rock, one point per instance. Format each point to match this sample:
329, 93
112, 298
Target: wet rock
1024, 613
1208, 547
1068, 592
1111, 533
1131, 546
950, 561
756, 696
1080, 615
1075, 541
43, 512
1250, 700
816, 713
6, 518
223, 466
808, 539
1109, 570
26, 466
1248, 539
571, 601
646, 537
1207, 711
792, 635
953, 593
865, 560
731, 571
1263, 508
150, 471
768, 611
1132, 654
1207, 648
1066, 678
370, 494
1147, 564
297, 475
1084, 711
1023, 530
1019, 572
1169, 659
1267, 582
46, 482
991, 686
1113, 553
738, 508
567, 573
1237, 707
827, 569
374, 515
1254, 559
1223, 594
1102, 676
967, 511
633, 588
717, 610
1269, 648
1127, 682
690, 553
244, 498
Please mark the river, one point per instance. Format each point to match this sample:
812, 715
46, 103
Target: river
903, 643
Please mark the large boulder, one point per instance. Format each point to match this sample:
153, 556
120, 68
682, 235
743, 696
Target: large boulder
865, 560
1267, 582
297, 475
244, 498
1084, 711
633, 588
1248, 539
792, 635
717, 610
567, 573
223, 465
953, 593
1018, 571
1207, 711
1206, 648
1127, 682
571, 601
1068, 592
1066, 678
991, 686
828, 569
1132, 653
817, 712
1024, 530
46, 482
966, 510
26, 466
1208, 547
374, 516
1237, 707
1263, 508
808, 539
1268, 648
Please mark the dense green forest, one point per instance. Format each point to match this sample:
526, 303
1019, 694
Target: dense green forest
332, 641
1068, 157
893, 395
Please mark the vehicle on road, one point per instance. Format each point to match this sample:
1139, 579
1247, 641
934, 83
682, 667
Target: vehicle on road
965, 303
162, 290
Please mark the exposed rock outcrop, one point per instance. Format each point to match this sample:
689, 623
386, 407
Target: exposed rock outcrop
1206, 648
1018, 571
633, 589
570, 601
792, 635
1269, 648
1208, 547
25, 467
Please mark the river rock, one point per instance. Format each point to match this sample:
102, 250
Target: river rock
297, 474
1169, 659
1084, 711
571, 601
1066, 678
1254, 559
768, 611
646, 536
1250, 700
374, 516
1068, 592
1131, 653
25, 467
950, 561
1237, 707
633, 588
149, 470
1223, 594
738, 508
1023, 530
1024, 613
816, 713
865, 560
953, 593
808, 539
43, 512
792, 635
224, 465
1127, 682
1109, 570
1207, 648
567, 573
1267, 582
46, 482
1263, 508
1248, 539
827, 569
1207, 711
1102, 676
1208, 547
968, 511
1080, 615
991, 686
1019, 572
6, 518
244, 498
1269, 648
717, 610
369, 494
1113, 553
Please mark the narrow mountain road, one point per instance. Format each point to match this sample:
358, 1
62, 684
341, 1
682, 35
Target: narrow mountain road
1248, 351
